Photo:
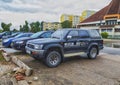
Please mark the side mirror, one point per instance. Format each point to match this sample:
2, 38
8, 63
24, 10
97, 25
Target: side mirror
69, 37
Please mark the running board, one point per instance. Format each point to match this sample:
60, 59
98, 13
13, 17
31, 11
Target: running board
73, 54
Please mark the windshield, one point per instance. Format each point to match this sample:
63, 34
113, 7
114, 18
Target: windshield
19, 35
59, 34
36, 34
14, 34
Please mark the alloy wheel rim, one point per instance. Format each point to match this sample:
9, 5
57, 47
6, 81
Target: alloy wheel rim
53, 59
93, 52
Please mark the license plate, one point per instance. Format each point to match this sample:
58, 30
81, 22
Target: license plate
29, 52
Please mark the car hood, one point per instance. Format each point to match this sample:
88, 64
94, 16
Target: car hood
22, 39
44, 40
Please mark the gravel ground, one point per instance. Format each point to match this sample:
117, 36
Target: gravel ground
5, 72
105, 70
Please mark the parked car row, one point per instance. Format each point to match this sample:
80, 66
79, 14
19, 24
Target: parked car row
53, 47
18, 40
6, 33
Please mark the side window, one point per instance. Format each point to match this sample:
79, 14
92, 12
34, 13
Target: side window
46, 35
94, 33
23, 35
83, 34
74, 34
29, 35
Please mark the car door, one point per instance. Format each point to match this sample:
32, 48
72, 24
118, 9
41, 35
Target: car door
83, 41
70, 44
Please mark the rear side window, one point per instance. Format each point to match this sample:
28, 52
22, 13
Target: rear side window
83, 34
94, 33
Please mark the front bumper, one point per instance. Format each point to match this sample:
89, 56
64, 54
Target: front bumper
6, 44
35, 53
19, 46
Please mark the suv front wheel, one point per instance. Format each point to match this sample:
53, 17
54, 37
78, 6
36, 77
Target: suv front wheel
92, 52
53, 59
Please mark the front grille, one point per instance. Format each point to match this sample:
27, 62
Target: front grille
30, 46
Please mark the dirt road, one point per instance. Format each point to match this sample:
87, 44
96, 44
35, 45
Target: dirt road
105, 70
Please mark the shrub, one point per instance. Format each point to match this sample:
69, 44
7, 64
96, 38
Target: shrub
104, 34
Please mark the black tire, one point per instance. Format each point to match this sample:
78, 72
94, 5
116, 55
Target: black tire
93, 52
53, 59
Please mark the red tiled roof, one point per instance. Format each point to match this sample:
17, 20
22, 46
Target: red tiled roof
112, 8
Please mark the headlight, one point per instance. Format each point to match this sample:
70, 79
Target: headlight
19, 42
6, 40
38, 47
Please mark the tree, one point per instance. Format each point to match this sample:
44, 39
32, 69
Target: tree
66, 24
1, 30
104, 34
35, 26
25, 27
15, 30
6, 27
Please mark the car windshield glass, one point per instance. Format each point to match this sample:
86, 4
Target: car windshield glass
59, 34
36, 35
18, 35
14, 34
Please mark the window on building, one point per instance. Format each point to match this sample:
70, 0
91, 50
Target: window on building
111, 22
117, 29
109, 30
103, 30
118, 23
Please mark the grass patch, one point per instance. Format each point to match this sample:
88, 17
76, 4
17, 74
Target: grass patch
1, 57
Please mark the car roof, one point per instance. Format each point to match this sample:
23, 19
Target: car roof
74, 29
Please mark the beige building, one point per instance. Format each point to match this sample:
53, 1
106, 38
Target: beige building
105, 20
86, 14
75, 19
51, 25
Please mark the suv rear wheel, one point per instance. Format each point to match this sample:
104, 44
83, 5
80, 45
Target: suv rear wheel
92, 52
53, 59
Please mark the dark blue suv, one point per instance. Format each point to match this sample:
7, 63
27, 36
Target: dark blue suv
65, 43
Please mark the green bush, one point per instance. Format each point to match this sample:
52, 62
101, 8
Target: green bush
104, 34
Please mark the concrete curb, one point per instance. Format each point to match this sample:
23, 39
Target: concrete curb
18, 62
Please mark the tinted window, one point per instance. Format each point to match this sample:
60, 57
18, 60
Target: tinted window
94, 33
59, 34
29, 35
73, 33
36, 35
83, 34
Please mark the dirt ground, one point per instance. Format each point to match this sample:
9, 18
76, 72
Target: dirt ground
105, 70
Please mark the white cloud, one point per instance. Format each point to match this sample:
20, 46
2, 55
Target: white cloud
17, 11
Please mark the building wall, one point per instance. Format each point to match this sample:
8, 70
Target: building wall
75, 19
51, 25
110, 26
86, 14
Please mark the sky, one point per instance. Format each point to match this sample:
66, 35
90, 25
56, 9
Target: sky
17, 11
